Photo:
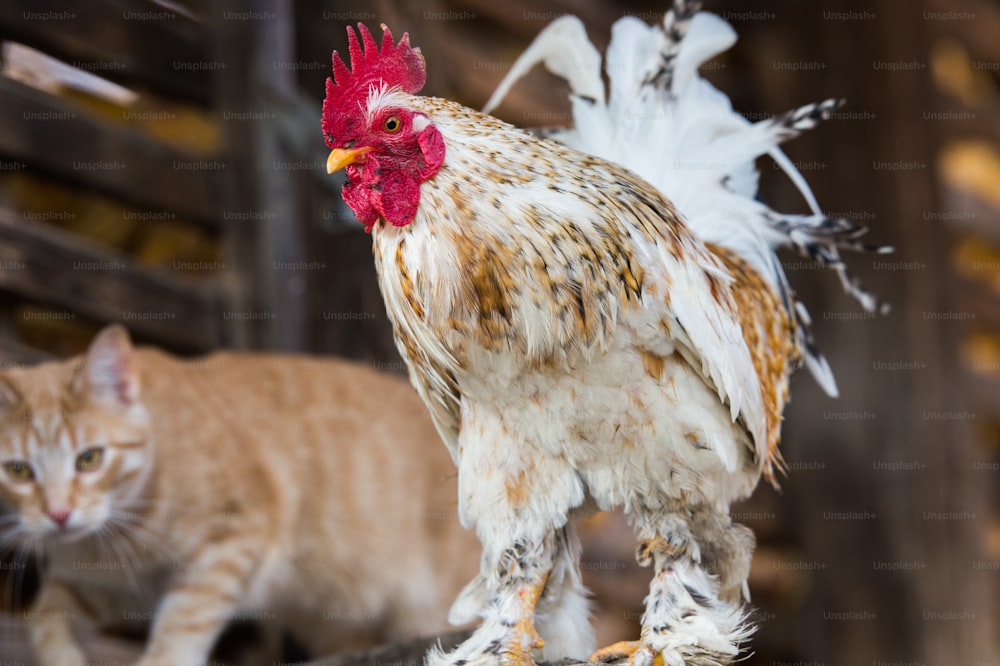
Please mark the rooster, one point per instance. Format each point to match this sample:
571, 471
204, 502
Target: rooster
594, 320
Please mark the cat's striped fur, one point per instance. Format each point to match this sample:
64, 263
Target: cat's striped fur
311, 493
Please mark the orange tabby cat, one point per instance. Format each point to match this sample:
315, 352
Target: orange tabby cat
312, 493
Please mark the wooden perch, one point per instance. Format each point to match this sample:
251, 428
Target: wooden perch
403, 653
411, 653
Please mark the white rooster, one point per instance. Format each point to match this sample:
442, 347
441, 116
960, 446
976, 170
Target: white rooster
594, 322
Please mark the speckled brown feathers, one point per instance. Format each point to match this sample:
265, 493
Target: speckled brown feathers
770, 335
543, 267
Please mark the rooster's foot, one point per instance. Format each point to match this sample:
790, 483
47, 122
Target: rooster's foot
524, 638
636, 653
506, 638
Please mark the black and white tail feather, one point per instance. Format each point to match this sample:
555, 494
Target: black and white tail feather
662, 120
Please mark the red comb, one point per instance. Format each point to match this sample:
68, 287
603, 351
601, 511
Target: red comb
394, 65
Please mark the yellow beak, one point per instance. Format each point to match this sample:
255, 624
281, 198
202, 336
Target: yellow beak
341, 157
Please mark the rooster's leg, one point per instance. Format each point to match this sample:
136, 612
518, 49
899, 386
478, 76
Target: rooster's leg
519, 501
525, 638
687, 622
563, 616
507, 635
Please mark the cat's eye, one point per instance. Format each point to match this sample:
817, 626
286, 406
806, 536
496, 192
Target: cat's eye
90, 460
392, 124
19, 470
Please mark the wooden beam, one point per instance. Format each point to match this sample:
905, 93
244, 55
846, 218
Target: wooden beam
973, 22
126, 41
41, 263
977, 306
62, 138
401, 652
965, 213
13, 353
263, 177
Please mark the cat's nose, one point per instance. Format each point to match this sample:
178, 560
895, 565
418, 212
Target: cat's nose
59, 516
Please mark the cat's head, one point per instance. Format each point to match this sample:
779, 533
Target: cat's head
75, 446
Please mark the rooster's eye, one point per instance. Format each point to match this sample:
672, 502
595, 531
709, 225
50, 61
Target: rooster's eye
391, 124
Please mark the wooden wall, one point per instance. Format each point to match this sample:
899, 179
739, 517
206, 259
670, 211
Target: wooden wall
181, 211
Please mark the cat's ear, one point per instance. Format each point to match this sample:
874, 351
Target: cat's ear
109, 371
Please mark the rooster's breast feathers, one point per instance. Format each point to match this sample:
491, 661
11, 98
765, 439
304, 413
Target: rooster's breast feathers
527, 257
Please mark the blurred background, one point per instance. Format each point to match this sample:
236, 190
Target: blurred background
161, 165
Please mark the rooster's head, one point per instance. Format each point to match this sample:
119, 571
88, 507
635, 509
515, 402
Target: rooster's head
387, 148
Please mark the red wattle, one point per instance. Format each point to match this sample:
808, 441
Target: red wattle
360, 192
400, 197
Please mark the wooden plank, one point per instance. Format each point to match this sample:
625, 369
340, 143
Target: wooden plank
13, 354
985, 392
62, 138
909, 403
259, 251
43, 264
977, 305
402, 652
880, 415
130, 42
975, 23
966, 213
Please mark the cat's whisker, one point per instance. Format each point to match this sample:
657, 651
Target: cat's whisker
126, 525
13, 585
131, 533
109, 536
7, 544
29, 548
128, 549
13, 535
25, 545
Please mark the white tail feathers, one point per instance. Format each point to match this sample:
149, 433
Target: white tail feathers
669, 125
564, 48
